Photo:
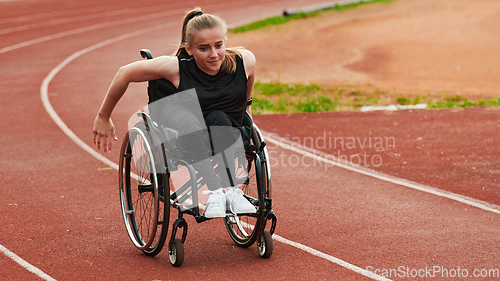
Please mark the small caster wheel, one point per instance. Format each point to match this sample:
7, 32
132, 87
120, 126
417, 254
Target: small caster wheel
176, 252
265, 244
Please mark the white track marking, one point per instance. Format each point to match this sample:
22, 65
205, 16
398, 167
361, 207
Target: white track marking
329, 258
25, 264
53, 114
329, 159
50, 15
64, 20
393, 107
322, 255
45, 94
99, 15
223, 5
87, 29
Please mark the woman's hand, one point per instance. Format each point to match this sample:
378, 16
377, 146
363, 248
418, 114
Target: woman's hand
104, 132
139, 71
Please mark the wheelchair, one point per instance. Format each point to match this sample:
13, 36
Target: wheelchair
150, 153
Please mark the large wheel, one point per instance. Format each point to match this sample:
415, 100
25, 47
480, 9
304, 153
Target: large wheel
243, 228
142, 187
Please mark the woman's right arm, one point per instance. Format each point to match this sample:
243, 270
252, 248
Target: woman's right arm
140, 71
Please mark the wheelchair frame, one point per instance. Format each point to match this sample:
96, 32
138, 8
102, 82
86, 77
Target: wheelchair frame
148, 156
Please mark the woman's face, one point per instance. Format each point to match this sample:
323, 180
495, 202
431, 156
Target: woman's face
208, 49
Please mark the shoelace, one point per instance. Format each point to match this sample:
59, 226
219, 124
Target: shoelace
217, 192
234, 196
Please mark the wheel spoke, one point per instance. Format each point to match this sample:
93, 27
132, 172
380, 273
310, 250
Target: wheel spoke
243, 228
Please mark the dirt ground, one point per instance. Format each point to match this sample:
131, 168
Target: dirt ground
415, 47
445, 47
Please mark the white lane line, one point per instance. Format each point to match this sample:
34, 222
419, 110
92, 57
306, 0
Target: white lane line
46, 38
393, 107
87, 29
329, 159
322, 255
50, 15
53, 114
329, 258
45, 93
108, 24
98, 15
64, 20
25, 264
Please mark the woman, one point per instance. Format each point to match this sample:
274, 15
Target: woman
223, 80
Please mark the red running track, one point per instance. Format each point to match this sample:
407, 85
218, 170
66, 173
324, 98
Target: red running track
59, 205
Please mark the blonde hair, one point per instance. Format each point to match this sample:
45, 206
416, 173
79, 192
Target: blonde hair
196, 20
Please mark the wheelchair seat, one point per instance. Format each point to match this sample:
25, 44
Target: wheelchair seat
172, 138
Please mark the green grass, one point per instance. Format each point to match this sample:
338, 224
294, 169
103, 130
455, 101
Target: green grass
401, 99
267, 22
290, 98
276, 20
270, 89
459, 101
319, 104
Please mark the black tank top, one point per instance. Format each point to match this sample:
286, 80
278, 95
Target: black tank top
224, 91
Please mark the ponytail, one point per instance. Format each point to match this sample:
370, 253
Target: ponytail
191, 14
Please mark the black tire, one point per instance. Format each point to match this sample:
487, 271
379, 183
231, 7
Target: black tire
163, 218
242, 228
146, 217
176, 252
265, 244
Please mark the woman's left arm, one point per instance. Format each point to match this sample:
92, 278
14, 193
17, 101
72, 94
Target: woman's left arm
249, 61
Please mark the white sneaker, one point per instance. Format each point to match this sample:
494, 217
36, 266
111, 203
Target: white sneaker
237, 203
216, 204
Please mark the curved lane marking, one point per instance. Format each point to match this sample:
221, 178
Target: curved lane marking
52, 14
91, 16
87, 29
45, 86
109, 24
64, 20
